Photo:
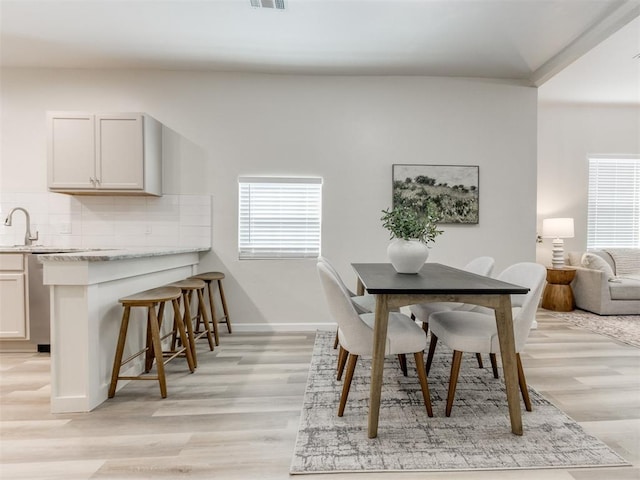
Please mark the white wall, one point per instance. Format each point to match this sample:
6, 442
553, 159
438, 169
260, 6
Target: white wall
567, 135
348, 130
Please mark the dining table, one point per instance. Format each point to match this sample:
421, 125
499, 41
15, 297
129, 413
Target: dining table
436, 282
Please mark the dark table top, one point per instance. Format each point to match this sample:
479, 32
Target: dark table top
433, 278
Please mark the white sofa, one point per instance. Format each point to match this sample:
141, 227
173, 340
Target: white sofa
602, 287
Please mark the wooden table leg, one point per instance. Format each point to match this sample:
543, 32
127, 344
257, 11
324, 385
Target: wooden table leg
377, 362
359, 287
504, 323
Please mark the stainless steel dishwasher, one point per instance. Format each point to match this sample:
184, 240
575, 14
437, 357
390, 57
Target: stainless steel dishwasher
39, 305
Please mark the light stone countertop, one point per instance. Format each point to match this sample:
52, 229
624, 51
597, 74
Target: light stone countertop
73, 254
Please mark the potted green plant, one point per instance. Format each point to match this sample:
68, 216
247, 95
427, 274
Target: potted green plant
411, 232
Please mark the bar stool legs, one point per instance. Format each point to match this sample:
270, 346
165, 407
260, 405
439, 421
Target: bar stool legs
117, 362
153, 349
183, 326
157, 348
187, 287
204, 317
223, 299
209, 278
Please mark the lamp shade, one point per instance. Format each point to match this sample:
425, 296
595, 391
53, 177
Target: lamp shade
557, 228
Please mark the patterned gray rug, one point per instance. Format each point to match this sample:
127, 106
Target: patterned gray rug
477, 436
624, 328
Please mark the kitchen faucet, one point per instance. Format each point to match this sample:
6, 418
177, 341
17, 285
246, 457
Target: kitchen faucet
27, 235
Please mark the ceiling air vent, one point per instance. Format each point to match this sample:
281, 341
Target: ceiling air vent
277, 4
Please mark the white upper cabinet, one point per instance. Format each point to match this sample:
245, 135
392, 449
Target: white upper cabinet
104, 153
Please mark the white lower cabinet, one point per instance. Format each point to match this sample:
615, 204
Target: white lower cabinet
14, 315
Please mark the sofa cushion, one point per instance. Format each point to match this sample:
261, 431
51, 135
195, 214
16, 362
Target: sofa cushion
606, 256
574, 259
625, 288
626, 261
596, 262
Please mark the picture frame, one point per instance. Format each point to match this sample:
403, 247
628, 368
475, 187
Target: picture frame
450, 191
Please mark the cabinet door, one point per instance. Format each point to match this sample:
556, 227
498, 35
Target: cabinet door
71, 155
13, 313
119, 152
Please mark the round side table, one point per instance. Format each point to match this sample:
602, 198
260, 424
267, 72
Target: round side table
558, 295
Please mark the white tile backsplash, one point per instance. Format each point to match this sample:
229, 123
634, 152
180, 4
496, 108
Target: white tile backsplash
109, 222
98, 227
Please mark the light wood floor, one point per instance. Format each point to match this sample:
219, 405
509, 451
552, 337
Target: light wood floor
237, 416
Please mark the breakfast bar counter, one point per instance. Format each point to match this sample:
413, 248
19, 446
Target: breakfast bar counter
85, 314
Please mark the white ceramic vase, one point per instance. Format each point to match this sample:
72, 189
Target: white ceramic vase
407, 256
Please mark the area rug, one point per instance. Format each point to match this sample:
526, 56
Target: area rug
624, 328
477, 436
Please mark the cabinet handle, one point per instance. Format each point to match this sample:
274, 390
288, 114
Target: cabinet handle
92, 180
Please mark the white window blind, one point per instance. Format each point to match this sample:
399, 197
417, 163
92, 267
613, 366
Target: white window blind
614, 202
279, 217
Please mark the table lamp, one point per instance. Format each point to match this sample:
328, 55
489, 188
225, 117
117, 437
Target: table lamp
557, 228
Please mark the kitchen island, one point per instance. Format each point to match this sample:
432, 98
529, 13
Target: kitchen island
85, 314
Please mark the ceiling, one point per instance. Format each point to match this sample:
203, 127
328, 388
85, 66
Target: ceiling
607, 74
529, 41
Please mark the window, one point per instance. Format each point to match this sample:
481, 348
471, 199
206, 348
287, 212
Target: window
279, 217
614, 202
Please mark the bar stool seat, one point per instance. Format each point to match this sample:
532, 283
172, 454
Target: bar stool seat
187, 287
209, 278
149, 299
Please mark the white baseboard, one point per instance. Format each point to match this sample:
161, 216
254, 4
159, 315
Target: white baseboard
280, 327
18, 346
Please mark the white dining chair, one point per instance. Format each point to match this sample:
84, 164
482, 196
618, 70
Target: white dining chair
422, 311
355, 332
362, 303
476, 331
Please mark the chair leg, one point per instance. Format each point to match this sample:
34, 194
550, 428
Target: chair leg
174, 336
117, 361
494, 365
148, 364
335, 342
479, 358
342, 361
179, 325
155, 339
214, 316
424, 386
202, 314
402, 358
523, 384
188, 325
351, 366
149, 355
225, 310
453, 381
432, 350
188, 322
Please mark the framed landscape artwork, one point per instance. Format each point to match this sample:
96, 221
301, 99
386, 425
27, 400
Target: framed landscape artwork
451, 191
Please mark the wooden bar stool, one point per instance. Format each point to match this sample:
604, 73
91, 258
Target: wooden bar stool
153, 349
187, 287
210, 277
